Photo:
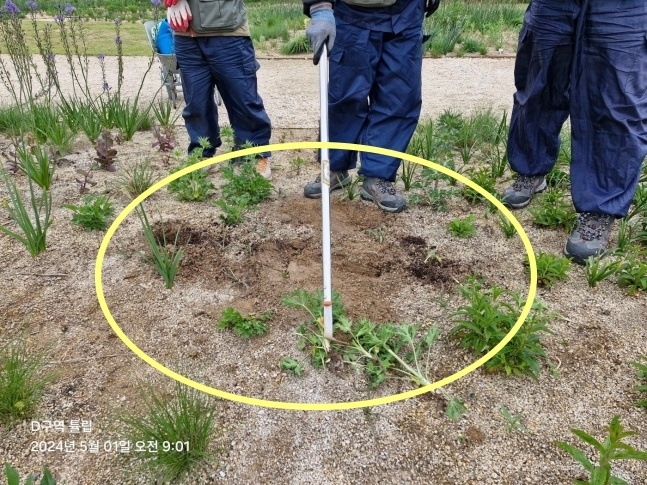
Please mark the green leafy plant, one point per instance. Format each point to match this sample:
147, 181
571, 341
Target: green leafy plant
483, 178
463, 228
164, 114
247, 327
292, 366
596, 270
35, 162
245, 182
166, 258
488, 317
513, 421
296, 45
551, 210
137, 179
188, 419
194, 186
93, 213
550, 268
455, 409
22, 382
642, 375
632, 275
506, 226
408, 174
349, 191
613, 448
32, 233
14, 479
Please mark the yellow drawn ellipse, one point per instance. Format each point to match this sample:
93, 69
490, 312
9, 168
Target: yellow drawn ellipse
298, 405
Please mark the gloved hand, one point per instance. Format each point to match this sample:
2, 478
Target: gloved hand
321, 29
179, 15
431, 7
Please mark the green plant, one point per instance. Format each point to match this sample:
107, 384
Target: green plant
489, 316
472, 45
22, 382
455, 409
462, 228
550, 268
551, 210
296, 45
130, 117
408, 173
247, 327
642, 375
194, 186
137, 179
613, 448
506, 226
14, 479
164, 114
512, 420
166, 258
245, 182
35, 162
93, 213
632, 274
349, 191
186, 421
292, 366
481, 177
596, 270
34, 232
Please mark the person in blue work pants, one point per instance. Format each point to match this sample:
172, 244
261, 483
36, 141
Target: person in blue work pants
214, 49
586, 59
374, 97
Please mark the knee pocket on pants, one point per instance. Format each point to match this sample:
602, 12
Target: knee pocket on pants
632, 69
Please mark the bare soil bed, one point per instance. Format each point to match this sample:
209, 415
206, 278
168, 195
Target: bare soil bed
379, 269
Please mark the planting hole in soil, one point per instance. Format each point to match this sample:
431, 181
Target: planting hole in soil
276, 261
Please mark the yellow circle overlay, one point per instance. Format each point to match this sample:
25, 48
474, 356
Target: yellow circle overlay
333, 406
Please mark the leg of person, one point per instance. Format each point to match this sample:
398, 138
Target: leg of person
233, 65
609, 122
351, 73
542, 77
395, 103
200, 113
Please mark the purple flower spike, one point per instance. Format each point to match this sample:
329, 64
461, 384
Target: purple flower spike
106, 87
59, 19
118, 40
101, 57
117, 22
156, 3
69, 9
11, 8
31, 5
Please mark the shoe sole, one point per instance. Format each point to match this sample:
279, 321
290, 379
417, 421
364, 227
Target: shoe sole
366, 196
538, 190
579, 259
337, 186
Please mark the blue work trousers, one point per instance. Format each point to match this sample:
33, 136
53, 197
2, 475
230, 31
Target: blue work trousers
374, 95
229, 64
586, 59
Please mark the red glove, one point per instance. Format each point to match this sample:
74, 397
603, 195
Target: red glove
179, 15
169, 3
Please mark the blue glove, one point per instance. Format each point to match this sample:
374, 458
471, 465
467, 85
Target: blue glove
321, 29
431, 7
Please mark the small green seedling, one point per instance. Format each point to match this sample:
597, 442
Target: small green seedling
506, 226
596, 270
292, 366
632, 275
93, 213
246, 327
455, 409
642, 375
512, 420
463, 228
613, 448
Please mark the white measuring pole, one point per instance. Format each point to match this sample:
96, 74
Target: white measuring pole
325, 194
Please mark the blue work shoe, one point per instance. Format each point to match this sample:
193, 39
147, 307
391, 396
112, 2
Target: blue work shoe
520, 193
312, 190
383, 194
589, 237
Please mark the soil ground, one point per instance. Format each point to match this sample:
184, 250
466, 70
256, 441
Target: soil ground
379, 268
